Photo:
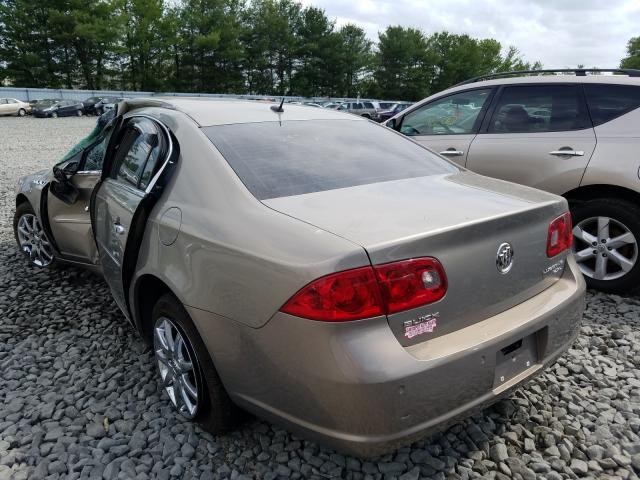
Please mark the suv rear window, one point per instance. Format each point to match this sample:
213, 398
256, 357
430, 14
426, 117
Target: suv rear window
607, 102
297, 157
539, 108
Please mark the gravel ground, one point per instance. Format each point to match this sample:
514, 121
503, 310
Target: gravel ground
79, 397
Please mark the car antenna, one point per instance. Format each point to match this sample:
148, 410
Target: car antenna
279, 108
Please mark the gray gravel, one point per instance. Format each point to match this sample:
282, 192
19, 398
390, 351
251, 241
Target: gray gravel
79, 397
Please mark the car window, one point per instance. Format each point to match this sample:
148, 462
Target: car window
357, 106
607, 102
539, 108
3, 101
454, 114
150, 168
368, 105
140, 139
94, 155
11, 100
299, 157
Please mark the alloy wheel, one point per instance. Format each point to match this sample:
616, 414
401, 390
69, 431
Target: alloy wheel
604, 248
34, 241
177, 366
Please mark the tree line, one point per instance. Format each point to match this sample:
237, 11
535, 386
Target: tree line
266, 47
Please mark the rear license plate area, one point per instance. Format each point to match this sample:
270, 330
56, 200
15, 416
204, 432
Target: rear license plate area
515, 358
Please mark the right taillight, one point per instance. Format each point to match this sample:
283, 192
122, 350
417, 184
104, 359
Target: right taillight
560, 236
370, 291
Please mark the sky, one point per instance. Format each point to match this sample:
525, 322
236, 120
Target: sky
559, 33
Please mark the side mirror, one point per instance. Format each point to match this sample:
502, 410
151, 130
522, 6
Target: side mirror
391, 123
70, 169
61, 187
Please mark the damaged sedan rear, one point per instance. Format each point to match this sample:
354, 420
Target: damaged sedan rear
315, 268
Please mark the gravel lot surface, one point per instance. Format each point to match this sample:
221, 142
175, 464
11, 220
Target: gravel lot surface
79, 397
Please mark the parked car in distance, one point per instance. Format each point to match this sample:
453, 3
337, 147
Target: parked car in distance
395, 109
331, 105
383, 106
13, 106
90, 105
569, 133
107, 103
58, 108
358, 336
364, 109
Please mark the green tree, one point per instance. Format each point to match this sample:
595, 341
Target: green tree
271, 45
632, 60
356, 59
404, 64
208, 35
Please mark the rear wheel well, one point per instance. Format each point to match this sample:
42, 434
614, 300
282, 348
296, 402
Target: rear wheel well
597, 192
149, 289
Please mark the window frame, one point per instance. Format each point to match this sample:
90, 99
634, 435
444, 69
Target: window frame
164, 144
484, 128
477, 125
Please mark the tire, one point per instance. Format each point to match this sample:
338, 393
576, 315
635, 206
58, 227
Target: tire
214, 410
37, 249
22, 112
54, 115
366, 115
79, 113
594, 247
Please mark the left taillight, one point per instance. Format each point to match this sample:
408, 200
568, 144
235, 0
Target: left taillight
560, 236
370, 291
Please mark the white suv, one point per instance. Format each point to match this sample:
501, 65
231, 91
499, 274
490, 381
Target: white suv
565, 131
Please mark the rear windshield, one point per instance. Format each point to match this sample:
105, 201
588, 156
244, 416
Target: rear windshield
295, 157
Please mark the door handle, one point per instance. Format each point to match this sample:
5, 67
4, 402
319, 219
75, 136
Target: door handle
567, 153
118, 229
452, 152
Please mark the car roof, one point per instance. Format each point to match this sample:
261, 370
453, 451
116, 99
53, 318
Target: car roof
214, 111
610, 79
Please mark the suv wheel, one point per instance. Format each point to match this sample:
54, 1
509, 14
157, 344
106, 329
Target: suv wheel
187, 373
606, 240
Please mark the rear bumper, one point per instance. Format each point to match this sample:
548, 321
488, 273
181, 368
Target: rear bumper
354, 387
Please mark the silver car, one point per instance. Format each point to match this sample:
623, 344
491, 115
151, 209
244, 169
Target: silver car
363, 109
13, 106
566, 132
311, 267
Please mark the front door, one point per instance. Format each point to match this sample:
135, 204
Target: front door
536, 135
124, 198
448, 125
71, 224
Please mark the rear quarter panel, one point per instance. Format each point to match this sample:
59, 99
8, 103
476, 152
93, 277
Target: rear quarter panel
616, 159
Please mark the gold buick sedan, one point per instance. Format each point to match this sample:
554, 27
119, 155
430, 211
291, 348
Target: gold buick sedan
310, 266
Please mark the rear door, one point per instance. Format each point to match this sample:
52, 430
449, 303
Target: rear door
536, 135
131, 183
448, 124
5, 108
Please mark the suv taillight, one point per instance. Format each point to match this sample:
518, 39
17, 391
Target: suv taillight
560, 236
370, 291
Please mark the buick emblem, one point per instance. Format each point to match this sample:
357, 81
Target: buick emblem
504, 258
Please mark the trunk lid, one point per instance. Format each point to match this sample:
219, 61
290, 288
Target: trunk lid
461, 220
